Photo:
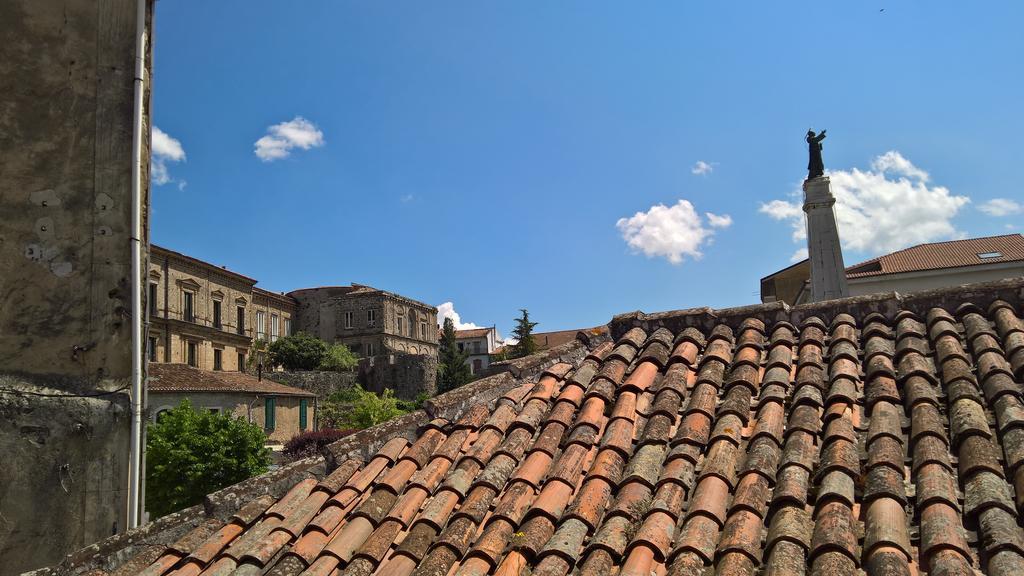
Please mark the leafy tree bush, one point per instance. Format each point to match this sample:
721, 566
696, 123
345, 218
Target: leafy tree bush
524, 334
191, 453
300, 351
358, 408
452, 370
338, 358
309, 443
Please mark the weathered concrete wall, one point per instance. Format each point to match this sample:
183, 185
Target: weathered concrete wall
67, 73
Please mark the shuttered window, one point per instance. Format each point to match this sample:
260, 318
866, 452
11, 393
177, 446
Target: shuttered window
302, 414
268, 413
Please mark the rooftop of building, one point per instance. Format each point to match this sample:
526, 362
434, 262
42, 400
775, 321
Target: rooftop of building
473, 333
198, 262
184, 378
880, 433
357, 289
942, 255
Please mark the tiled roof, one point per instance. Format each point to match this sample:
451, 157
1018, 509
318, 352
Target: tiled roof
939, 255
472, 333
552, 339
879, 433
184, 378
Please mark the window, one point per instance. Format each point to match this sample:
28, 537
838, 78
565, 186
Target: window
988, 255
189, 311
261, 325
423, 330
240, 319
462, 347
160, 414
241, 362
152, 349
214, 410
217, 359
369, 348
303, 418
268, 413
398, 325
152, 300
275, 330
476, 347
478, 365
216, 314
287, 326
371, 317
190, 353
348, 319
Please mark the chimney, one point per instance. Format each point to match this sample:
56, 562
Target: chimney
828, 273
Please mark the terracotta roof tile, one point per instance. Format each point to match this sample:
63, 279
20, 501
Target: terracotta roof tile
184, 378
938, 255
889, 441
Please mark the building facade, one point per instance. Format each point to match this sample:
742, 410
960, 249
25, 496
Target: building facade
281, 411
370, 322
921, 267
208, 317
478, 344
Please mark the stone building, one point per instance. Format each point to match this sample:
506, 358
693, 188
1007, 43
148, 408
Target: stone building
282, 411
67, 134
206, 316
371, 322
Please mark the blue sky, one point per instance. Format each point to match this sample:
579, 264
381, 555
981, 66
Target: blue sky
514, 154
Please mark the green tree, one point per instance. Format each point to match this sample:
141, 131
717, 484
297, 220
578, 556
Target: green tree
191, 453
338, 358
452, 370
359, 408
300, 351
523, 333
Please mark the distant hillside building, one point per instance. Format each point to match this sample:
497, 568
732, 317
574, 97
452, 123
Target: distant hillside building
478, 344
207, 316
920, 267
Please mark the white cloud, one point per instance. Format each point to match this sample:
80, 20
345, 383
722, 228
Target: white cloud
447, 310
670, 232
1002, 207
800, 254
282, 138
701, 168
405, 199
877, 213
716, 221
164, 149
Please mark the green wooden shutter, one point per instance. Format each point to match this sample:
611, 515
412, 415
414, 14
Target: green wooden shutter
302, 414
268, 413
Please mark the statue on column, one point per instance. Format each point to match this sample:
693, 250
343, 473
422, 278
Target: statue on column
815, 166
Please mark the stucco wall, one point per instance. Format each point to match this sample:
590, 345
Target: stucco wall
251, 407
67, 71
930, 280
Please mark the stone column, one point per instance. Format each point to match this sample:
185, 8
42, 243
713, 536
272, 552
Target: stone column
828, 274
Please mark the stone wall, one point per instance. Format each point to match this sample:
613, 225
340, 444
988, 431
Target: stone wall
319, 382
66, 133
409, 375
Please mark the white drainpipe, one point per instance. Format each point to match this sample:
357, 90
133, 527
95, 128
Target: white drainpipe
137, 384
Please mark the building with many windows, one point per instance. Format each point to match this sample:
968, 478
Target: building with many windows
207, 316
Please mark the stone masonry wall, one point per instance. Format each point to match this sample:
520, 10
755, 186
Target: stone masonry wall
66, 129
319, 382
409, 375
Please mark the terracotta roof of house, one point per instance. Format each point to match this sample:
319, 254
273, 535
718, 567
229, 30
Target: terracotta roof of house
557, 338
939, 255
882, 433
472, 333
184, 378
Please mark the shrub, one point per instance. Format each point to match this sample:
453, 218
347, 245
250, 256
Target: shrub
358, 408
338, 358
309, 443
300, 351
191, 453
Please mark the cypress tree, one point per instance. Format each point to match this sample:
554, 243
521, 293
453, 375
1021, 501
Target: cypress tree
524, 334
452, 370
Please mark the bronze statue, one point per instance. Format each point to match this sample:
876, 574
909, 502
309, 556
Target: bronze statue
815, 166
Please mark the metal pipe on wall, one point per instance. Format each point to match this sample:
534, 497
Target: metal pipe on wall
137, 384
